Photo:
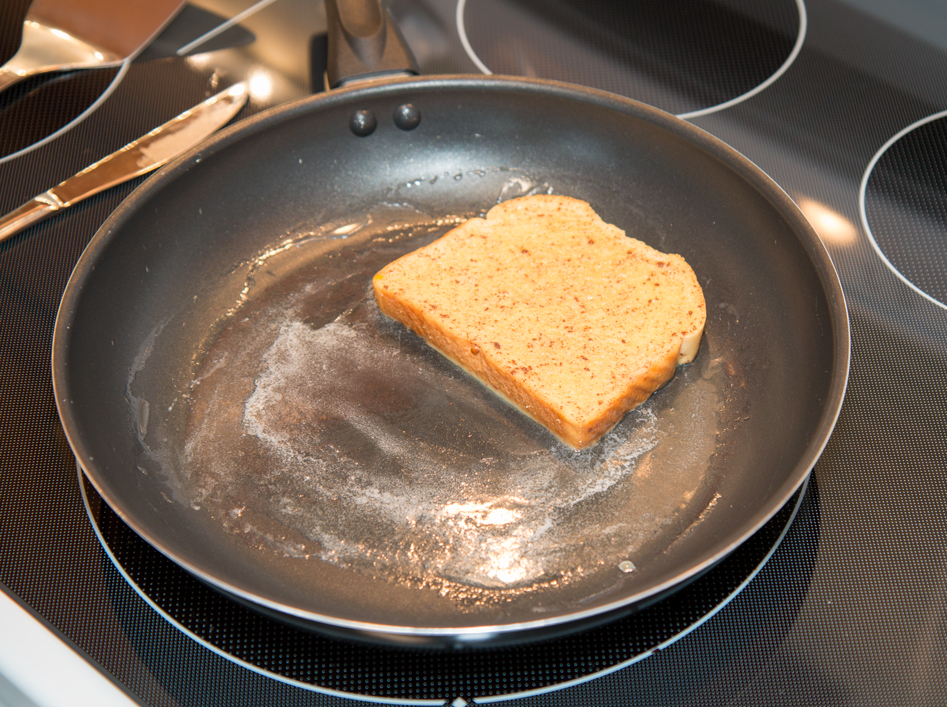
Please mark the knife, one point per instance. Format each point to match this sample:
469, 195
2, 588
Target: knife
144, 155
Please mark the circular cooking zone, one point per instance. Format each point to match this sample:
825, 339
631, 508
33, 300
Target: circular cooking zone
27, 116
41, 107
687, 57
401, 675
904, 206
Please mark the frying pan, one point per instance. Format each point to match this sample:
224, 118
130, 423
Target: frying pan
229, 388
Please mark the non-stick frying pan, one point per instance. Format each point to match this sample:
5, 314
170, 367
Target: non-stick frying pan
231, 391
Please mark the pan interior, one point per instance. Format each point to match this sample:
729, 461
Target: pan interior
320, 430
256, 418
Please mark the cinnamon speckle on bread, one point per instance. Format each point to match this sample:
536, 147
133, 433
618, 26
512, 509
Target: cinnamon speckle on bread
519, 285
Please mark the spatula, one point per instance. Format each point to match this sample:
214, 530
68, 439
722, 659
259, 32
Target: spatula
62, 35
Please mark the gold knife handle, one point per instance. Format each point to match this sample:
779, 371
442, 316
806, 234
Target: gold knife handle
31, 212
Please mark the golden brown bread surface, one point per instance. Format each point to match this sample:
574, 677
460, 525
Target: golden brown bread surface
559, 312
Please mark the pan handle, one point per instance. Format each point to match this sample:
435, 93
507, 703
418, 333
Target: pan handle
364, 43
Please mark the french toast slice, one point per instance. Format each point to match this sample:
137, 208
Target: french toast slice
560, 313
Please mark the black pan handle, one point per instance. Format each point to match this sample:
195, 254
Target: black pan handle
364, 43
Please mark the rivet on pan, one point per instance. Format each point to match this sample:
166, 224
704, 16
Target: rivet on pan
407, 116
363, 123
626, 566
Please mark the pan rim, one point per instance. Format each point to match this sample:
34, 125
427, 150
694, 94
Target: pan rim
740, 164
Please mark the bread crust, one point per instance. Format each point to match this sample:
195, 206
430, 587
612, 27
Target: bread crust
552, 308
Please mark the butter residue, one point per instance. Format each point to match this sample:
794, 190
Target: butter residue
322, 431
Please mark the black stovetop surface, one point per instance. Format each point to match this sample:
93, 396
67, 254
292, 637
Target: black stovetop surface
840, 102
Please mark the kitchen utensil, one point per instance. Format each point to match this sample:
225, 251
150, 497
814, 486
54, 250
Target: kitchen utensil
144, 155
63, 35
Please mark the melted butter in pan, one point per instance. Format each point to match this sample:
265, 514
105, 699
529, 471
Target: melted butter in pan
321, 430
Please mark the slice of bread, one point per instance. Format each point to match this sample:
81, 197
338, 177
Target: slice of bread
554, 309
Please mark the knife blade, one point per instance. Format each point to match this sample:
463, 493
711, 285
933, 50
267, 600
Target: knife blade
144, 155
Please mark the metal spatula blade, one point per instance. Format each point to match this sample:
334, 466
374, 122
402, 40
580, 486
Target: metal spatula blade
62, 35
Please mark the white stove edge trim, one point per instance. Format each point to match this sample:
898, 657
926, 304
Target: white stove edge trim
797, 47
439, 702
40, 669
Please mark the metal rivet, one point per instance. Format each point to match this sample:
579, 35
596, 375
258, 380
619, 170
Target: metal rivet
363, 122
407, 117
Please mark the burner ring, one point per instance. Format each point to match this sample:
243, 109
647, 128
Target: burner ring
902, 209
89, 110
320, 664
686, 114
